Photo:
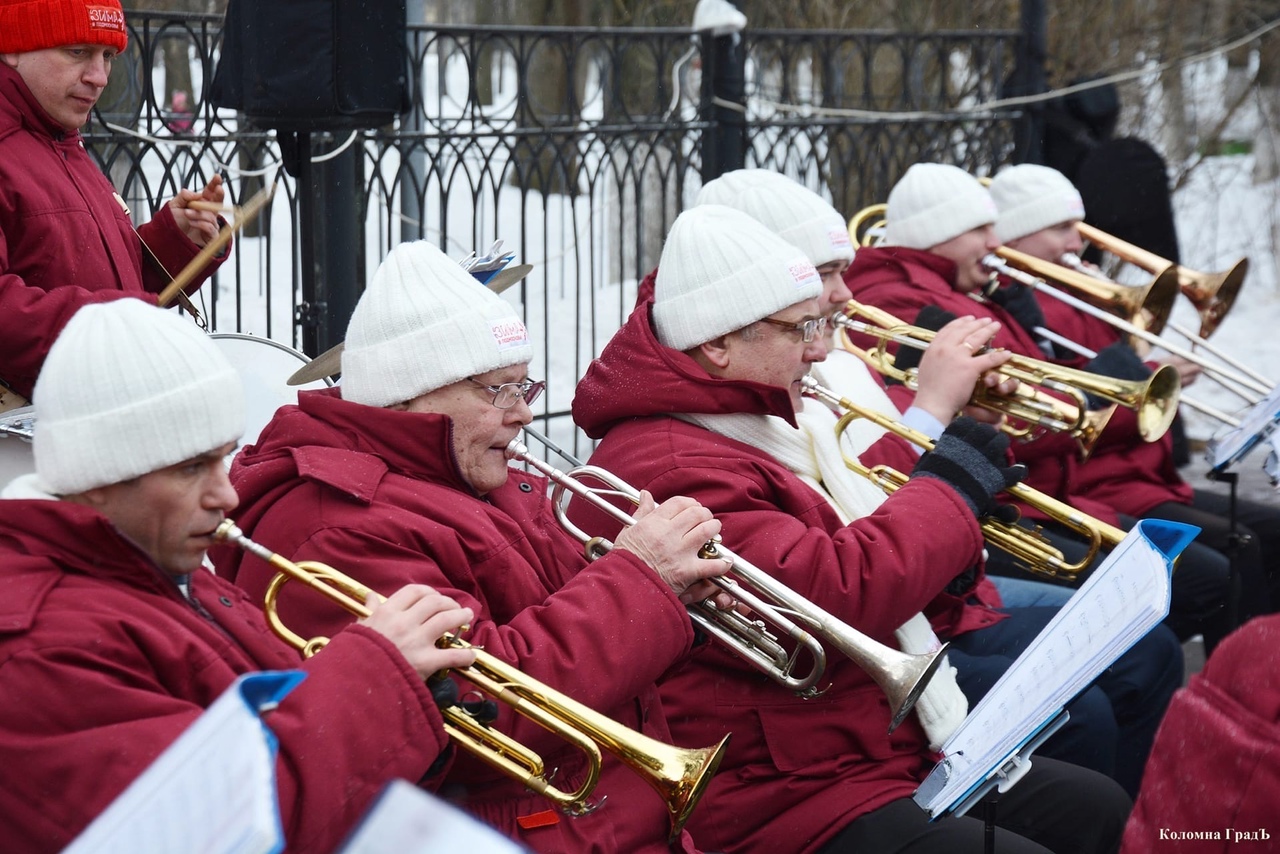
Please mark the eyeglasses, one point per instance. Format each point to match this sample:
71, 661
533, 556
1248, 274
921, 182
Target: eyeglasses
508, 395
808, 329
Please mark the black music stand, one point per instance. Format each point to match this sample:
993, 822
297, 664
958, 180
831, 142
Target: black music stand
1255, 427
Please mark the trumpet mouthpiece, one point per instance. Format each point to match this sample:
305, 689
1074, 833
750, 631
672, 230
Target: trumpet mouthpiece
516, 450
227, 531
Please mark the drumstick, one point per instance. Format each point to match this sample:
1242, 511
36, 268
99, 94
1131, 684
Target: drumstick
211, 207
189, 272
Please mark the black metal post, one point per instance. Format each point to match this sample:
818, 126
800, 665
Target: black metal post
724, 99
332, 268
1029, 78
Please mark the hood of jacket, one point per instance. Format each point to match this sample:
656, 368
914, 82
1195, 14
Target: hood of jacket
47, 539
874, 265
637, 377
347, 446
19, 108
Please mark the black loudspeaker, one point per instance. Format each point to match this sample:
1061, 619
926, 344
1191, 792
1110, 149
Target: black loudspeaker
302, 65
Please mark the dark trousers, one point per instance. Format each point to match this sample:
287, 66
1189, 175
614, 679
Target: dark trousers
1056, 807
1112, 722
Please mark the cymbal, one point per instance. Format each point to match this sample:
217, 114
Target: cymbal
329, 362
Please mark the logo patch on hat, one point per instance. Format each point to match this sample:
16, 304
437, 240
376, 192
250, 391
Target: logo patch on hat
105, 18
508, 334
803, 273
839, 238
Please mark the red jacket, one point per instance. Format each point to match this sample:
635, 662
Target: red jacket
104, 663
64, 239
797, 770
1124, 475
378, 495
1215, 763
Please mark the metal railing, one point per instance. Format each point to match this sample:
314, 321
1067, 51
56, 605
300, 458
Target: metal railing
577, 147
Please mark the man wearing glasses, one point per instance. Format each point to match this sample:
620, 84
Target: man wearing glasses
722, 419
401, 473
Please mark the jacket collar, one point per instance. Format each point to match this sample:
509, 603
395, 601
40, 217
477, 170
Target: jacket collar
637, 377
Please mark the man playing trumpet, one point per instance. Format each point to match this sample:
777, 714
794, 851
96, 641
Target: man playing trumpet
939, 228
735, 325
1039, 210
1112, 723
114, 638
401, 475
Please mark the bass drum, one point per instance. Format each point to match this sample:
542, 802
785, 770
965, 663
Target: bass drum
264, 367
15, 443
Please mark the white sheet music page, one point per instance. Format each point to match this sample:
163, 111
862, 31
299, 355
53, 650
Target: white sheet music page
211, 791
1256, 424
407, 820
1118, 604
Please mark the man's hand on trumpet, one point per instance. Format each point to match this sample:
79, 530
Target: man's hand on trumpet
413, 619
667, 536
955, 361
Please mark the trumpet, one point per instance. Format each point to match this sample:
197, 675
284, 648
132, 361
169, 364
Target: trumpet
1028, 546
901, 676
679, 775
1155, 400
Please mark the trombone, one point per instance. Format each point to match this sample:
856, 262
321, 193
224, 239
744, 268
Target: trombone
901, 676
1155, 399
1210, 315
1029, 546
1212, 294
1037, 273
679, 775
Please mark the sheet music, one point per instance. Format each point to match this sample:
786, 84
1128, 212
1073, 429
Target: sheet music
1258, 423
1118, 604
407, 820
211, 791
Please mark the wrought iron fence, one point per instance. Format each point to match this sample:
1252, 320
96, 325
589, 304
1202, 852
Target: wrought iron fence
577, 147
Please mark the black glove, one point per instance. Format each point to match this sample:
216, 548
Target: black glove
1118, 361
1020, 302
931, 317
970, 456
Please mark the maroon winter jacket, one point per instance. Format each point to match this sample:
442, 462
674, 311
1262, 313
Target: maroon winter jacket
104, 663
797, 770
1124, 475
378, 494
1215, 763
65, 241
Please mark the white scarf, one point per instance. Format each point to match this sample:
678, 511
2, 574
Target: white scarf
814, 456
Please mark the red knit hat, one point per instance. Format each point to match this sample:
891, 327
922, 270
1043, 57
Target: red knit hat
38, 24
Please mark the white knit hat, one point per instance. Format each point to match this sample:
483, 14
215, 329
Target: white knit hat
721, 271
793, 212
933, 203
128, 389
1030, 198
425, 323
